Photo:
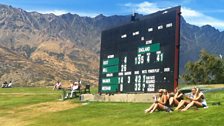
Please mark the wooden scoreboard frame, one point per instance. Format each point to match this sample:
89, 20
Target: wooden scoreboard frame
177, 48
123, 71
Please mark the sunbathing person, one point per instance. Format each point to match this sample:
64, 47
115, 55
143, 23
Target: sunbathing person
178, 96
198, 101
155, 100
161, 103
183, 103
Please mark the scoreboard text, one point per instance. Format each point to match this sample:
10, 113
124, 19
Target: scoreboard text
141, 56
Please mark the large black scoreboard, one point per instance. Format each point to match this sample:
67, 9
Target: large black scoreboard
141, 56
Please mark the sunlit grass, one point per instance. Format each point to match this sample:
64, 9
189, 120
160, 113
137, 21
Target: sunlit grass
105, 114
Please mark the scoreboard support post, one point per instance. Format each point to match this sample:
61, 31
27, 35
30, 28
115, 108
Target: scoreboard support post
177, 49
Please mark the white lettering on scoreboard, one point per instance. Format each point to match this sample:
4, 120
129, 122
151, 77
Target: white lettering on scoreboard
136, 72
160, 27
105, 80
127, 73
105, 62
104, 70
124, 36
150, 29
121, 87
120, 74
150, 80
106, 88
109, 75
169, 25
144, 71
148, 42
153, 71
166, 69
135, 33
110, 56
151, 87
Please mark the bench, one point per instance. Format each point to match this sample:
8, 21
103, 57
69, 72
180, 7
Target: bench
78, 91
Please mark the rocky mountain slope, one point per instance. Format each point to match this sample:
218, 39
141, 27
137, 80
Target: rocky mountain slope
37, 49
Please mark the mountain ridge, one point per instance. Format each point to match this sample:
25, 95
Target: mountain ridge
67, 47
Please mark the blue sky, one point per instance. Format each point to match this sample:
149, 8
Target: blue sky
197, 12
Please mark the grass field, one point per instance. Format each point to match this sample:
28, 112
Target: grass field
41, 107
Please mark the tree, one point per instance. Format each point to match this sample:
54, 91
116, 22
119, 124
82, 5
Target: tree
206, 70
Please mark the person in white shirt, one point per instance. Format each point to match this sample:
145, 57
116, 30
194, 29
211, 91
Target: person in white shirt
73, 88
57, 86
10, 84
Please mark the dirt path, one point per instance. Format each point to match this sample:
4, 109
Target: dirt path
23, 116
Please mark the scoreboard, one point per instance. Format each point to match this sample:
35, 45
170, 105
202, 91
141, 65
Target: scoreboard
141, 56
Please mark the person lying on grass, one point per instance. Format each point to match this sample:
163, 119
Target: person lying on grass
183, 103
178, 96
162, 103
198, 101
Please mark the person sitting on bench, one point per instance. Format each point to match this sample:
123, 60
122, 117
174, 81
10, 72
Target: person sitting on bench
74, 88
10, 84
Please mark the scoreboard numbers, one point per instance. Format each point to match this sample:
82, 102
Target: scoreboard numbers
141, 56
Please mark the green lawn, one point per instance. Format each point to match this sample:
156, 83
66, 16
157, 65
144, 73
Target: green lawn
16, 97
100, 114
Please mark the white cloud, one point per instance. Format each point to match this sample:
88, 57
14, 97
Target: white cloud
190, 15
60, 12
187, 12
200, 19
143, 8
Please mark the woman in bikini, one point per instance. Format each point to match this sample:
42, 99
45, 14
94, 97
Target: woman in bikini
198, 101
183, 103
178, 96
161, 104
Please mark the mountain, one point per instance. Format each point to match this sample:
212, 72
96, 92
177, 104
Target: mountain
194, 38
38, 49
